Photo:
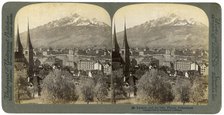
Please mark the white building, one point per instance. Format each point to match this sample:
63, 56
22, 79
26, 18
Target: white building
90, 74
98, 66
185, 65
46, 53
71, 52
107, 69
141, 53
204, 69
194, 66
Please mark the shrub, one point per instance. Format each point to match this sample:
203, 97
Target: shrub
153, 87
59, 87
86, 89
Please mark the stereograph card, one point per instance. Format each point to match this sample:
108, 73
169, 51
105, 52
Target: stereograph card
111, 57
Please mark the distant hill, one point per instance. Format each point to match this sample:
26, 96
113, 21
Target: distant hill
167, 32
69, 32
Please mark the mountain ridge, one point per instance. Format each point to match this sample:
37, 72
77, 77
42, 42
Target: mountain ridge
69, 32
167, 32
77, 31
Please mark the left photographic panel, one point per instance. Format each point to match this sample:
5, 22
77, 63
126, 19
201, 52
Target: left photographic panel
62, 54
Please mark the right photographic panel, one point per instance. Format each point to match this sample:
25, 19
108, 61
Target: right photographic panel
160, 55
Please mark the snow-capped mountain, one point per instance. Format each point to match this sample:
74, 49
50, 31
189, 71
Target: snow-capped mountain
75, 20
71, 31
168, 32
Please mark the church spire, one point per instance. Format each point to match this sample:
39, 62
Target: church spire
18, 46
29, 44
29, 54
116, 57
125, 42
116, 46
126, 53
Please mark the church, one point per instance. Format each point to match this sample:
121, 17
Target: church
23, 57
121, 57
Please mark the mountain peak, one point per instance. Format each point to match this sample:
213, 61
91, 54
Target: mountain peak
170, 20
168, 31
71, 31
74, 20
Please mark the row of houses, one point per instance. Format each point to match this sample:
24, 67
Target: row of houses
92, 52
87, 64
179, 65
84, 64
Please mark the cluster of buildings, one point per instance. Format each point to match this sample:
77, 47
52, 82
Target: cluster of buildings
88, 61
97, 60
174, 61
185, 61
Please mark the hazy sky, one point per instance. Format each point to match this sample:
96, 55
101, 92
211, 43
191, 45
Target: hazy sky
42, 13
140, 13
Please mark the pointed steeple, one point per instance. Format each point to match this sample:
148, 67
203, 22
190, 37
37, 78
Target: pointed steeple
18, 46
116, 57
115, 45
29, 44
29, 54
125, 42
126, 54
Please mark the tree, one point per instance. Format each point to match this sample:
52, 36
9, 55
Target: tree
101, 91
153, 87
145, 87
139, 73
59, 87
21, 84
86, 89
198, 89
117, 85
182, 90
44, 70
98, 76
185, 97
165, 90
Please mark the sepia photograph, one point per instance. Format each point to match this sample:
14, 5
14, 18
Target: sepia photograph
160, 53
62, 54
74, 53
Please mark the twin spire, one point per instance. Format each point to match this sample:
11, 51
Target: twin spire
125, 42
29, 44
125, 58
19, 47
